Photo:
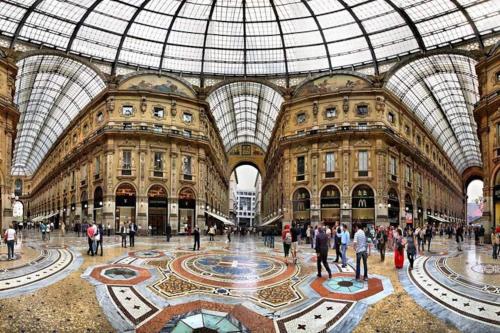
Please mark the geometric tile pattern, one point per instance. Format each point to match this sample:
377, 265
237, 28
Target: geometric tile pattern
119, 274
471, 307
131, 304
321, 316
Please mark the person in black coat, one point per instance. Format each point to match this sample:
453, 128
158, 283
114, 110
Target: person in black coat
322, 251
168, 232
196, 234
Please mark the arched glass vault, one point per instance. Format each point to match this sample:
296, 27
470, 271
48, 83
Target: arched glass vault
50, 91
247, 37
441, 90
245, 112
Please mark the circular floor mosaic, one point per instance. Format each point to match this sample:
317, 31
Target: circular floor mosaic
488, 269
232, 271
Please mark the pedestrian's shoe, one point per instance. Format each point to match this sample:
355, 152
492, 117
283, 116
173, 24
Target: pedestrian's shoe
365, 278
318, 275
329, 275
344, 266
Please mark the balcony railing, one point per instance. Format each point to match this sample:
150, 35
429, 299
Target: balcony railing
300, 178
187, 177
363, 173
157, 173
330, 174
126, 172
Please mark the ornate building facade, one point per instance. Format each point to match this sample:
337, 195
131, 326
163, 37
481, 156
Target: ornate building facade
487, 116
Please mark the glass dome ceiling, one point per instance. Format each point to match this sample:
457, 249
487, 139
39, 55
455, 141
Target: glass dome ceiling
441, 90
247, 37
50, 92
245, 112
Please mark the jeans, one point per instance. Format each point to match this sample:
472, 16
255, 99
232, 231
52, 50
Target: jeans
98, 243
91, 246
337, 251
271, 238
411, 258
124, 240
359, 256
495, 251
10, 249
132, 239
343, 250
196, 245
428, 243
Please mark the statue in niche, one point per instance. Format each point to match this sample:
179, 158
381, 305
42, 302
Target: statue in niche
144, 104
110, 104
173, 108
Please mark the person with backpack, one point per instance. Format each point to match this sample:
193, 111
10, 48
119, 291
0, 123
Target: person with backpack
411, 249
381, 242
286, 236
43, 230
399, 247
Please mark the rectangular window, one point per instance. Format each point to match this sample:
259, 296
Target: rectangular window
330, 165
362, 126
187, 117
158, 164
187, 168
187, 133
83, 174
498, 135
363, 163
73, 179
408, 176
127, 125
97, 167
331, 112
301, 168
393, 168
362, 110
301, 118
126, 163
158, 112
127, 110
391, 118
158, 129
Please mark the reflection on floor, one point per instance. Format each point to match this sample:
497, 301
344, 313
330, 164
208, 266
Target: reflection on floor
240, 287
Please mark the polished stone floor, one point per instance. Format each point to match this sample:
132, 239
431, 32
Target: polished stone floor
242, 286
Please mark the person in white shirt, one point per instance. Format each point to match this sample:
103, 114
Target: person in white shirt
10, 238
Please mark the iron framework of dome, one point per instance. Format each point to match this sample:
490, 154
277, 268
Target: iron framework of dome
248, 37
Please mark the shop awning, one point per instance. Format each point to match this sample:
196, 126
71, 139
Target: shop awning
220, 218
439, 219
271, 221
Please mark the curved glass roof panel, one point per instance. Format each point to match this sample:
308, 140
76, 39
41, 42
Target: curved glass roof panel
248, 37
245, 112
441, 90
50, 91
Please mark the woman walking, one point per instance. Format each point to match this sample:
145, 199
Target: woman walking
399, 257
411, 249
286, 236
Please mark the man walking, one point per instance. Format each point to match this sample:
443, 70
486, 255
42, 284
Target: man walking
196, 239
10, 238
428, 237
344, 241
123, 234
168, 232
360, 247
132, 231
322, 252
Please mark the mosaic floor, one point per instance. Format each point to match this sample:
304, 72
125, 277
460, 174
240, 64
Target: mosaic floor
242, 286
